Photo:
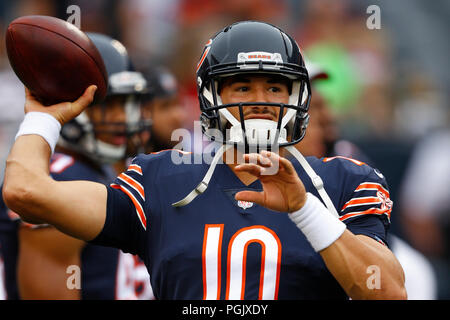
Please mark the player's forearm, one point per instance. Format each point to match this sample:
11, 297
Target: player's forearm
26, 176
77, 208
365, 270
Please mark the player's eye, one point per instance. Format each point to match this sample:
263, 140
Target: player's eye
241, 88
274, 89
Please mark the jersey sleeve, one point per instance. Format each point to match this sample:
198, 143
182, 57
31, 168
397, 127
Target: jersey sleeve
365, 205
126, 222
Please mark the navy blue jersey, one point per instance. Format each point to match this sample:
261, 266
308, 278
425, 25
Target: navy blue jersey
220, 248
106, 273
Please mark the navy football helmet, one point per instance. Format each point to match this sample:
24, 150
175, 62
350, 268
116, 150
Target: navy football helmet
253, 47
80, 133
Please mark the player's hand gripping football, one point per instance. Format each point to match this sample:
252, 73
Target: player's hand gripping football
283, 191
64, 111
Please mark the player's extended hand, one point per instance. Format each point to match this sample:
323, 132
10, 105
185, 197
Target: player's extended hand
64, 111
282, 191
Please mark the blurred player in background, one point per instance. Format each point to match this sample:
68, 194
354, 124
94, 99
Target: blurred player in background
50, 264
162, 105
323, 138
426, 203
244, 234
161, 114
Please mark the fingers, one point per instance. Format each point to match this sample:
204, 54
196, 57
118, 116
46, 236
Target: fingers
275, 158
28, 94
85, 100
251, 196
257, 164
78, 106
258, 159
268, 163
30, 100
64, 111
251, 168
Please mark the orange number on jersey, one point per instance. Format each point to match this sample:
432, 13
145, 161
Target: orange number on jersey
236, 262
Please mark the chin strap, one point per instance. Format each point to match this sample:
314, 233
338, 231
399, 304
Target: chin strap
203, 185
316, 180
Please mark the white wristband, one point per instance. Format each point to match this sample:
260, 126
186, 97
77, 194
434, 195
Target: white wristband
319, 226
42, 124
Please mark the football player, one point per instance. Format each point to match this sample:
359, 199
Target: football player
50, 264
161, 104
264, 229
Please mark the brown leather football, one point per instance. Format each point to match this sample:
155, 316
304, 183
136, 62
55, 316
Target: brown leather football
54, 59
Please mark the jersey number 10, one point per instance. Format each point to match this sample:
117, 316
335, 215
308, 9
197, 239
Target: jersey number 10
236, 262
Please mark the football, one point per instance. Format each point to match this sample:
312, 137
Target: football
54, 59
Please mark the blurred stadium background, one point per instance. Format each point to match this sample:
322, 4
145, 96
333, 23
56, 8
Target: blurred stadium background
389, 87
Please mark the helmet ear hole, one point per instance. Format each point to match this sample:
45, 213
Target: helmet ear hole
208, 121
300, 125
72, 132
